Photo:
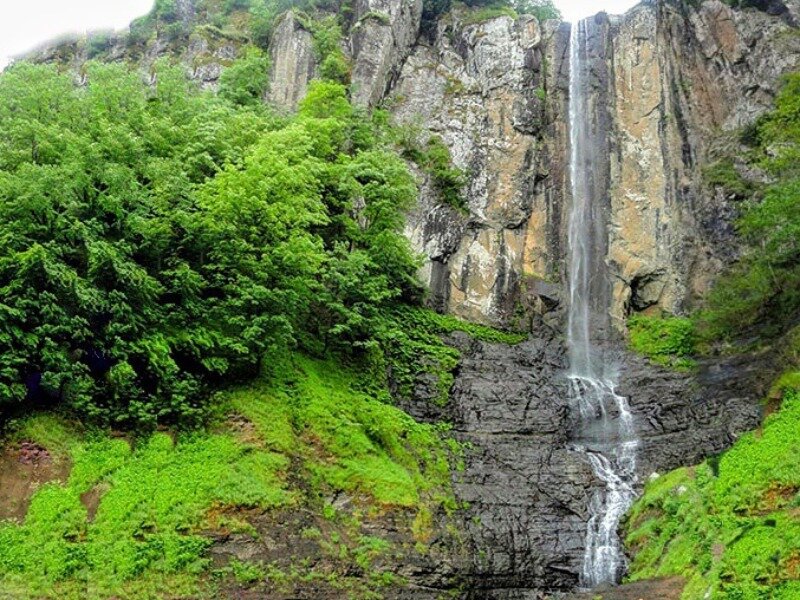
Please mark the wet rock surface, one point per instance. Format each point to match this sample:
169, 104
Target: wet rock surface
526, 490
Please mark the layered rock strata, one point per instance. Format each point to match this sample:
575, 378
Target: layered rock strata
527, 489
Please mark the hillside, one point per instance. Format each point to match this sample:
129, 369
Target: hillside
407, 299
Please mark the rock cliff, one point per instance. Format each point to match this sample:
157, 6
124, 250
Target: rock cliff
682, 81
673, 83
526, 486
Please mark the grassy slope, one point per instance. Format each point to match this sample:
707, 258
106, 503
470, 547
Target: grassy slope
731, 525
158, 493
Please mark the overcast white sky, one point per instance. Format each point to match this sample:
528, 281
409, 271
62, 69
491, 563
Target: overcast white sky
25, 24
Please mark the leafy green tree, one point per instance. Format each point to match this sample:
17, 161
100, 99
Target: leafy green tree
159, 241
246, 80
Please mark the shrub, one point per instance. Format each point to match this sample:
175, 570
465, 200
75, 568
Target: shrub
668, 341
245, 81
434, 159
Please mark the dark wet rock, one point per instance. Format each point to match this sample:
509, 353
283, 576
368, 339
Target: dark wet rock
526, 490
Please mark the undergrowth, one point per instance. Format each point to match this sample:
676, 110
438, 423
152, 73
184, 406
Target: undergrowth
411, 346
158, 493
731, 525
666, 340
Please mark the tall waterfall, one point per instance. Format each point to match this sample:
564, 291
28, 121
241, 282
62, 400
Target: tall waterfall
606, 431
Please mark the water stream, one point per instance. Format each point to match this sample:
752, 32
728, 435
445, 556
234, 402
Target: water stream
606, 433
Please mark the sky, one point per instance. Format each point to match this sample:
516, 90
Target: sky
572, 10
24, 24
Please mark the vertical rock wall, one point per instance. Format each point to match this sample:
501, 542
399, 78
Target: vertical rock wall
684, 80
488, 90
293, 63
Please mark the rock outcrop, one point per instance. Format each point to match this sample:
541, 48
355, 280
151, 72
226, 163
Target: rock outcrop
293, 63
483, 89
528, 488
380, 40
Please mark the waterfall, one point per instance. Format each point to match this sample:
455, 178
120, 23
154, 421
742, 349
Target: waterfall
606, 432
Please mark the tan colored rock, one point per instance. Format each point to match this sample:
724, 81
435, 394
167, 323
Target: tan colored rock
293, 63
480, 88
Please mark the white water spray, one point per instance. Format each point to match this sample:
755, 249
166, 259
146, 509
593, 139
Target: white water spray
607, 430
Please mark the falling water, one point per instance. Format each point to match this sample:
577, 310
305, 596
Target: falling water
607, 432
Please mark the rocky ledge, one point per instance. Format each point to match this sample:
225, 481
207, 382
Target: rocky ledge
527, 492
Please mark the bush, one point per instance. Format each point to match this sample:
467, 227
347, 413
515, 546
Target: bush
245, 81
434, 159
723, 174
668, 341
543, 10
98, 43
159, 242
486, 13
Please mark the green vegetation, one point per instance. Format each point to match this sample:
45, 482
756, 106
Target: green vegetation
158, 242
246, 80
763, 291
411, 346
541, 9
730, 525
156, 495
723, 174
153, 503
666, 340
328, 48
492, 11
314, 409
434, 159
489, 9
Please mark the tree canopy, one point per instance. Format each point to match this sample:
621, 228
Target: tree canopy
156, 240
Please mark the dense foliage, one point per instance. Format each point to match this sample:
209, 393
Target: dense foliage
256, 19
156, 496
764, 289
666, 340
729, 525
157, 240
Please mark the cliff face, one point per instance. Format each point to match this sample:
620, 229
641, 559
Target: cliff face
682, 81
528, 488
482, 88
671, 85
493, 91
